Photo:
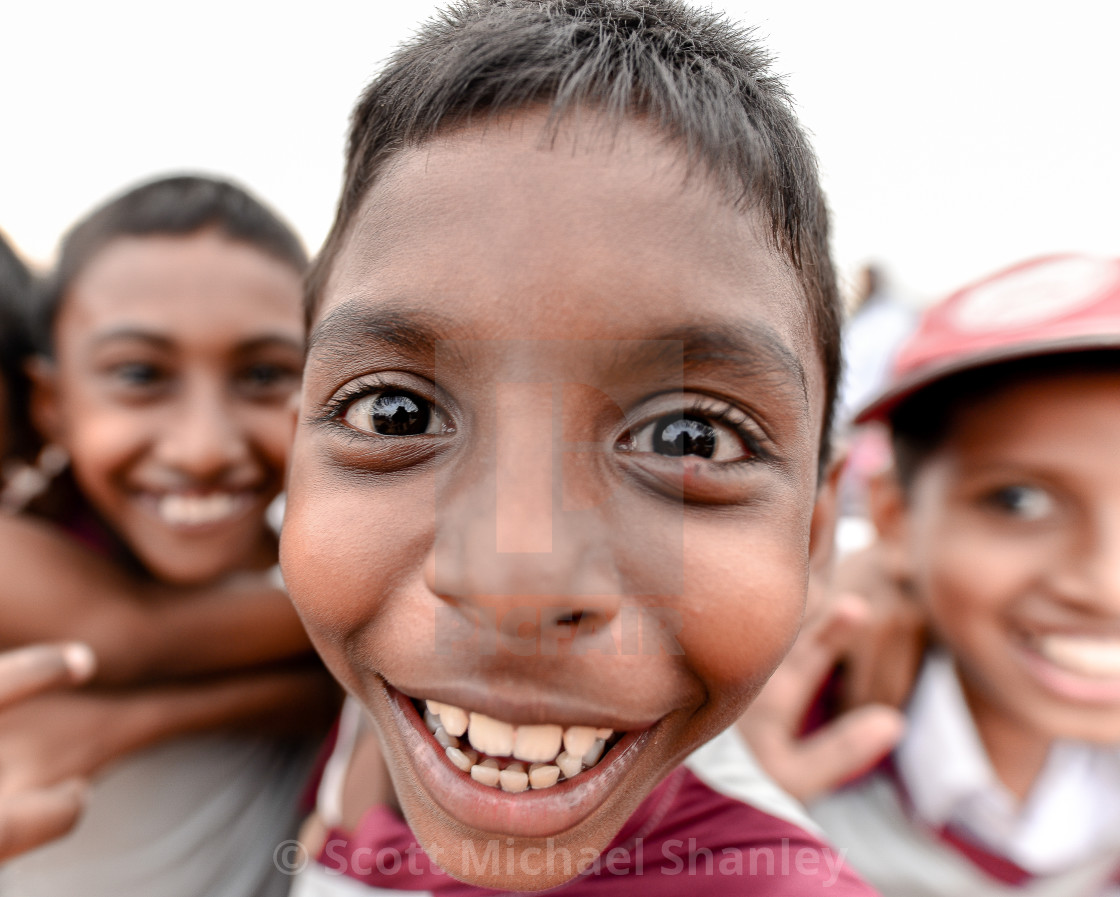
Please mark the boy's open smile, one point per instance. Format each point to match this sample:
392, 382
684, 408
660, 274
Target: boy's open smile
551, 390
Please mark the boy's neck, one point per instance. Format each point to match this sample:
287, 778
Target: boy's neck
1016, 751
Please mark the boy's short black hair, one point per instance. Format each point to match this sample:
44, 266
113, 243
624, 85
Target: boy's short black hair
921, 424
17, 286
180, 205
702, 80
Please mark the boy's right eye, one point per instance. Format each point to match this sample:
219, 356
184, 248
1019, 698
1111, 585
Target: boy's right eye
394, 413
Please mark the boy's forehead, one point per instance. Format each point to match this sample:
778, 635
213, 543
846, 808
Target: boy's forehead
600, 233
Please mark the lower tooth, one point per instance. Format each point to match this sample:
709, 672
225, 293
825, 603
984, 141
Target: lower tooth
459, 758
514, 779
568, 765
486, 773
544, 775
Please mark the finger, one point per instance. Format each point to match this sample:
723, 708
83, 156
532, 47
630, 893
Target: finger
882, 664
27, 671
847, 748
35, 817
798, 680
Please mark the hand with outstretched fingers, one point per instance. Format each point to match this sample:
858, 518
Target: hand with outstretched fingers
31, 816
808, 766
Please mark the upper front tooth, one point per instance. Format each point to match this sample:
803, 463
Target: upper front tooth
537, 744
454, 719
578, 740
490, 736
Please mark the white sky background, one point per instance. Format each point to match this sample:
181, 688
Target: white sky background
954, 137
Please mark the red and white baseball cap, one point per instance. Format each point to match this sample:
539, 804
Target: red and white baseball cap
1046, 306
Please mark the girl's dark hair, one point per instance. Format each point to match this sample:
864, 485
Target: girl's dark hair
17, 287
180, 205
704, 82
922, 423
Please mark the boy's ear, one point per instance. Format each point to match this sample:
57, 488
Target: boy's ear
46, 415
822, 526
887, 507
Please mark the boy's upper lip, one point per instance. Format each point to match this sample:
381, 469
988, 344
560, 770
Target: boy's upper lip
543, 705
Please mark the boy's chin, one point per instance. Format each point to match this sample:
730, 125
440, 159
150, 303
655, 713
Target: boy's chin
507, 863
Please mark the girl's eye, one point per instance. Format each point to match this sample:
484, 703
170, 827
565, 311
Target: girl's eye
136, 373
395, 413
1024, 502
265, 377
680, 435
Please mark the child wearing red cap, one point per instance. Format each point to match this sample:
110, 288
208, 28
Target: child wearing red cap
1004, 520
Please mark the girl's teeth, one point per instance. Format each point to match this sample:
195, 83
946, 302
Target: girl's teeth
191, 510
490, 736
537, 744
578, 740
1085, 655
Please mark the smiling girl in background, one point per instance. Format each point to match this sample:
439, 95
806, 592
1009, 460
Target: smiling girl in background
172, 340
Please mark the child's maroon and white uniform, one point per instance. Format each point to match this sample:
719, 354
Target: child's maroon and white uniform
936, 822
715, 826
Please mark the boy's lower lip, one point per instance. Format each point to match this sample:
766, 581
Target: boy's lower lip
530, 814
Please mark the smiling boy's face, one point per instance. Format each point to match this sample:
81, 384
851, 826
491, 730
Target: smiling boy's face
568, 393
1011, 534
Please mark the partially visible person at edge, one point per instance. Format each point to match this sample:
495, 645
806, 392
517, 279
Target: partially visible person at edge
171, 341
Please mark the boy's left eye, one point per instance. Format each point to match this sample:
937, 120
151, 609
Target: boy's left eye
395, 413
678, 435
1024, 502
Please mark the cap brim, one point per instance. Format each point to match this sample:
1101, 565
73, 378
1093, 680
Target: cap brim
879, 408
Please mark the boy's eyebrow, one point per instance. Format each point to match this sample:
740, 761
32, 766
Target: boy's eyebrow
353, 326
747, 346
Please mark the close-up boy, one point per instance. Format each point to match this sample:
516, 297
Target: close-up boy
1003, 522
559, 470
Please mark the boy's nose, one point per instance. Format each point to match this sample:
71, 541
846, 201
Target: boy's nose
1091, 576
203, 440
503, 538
